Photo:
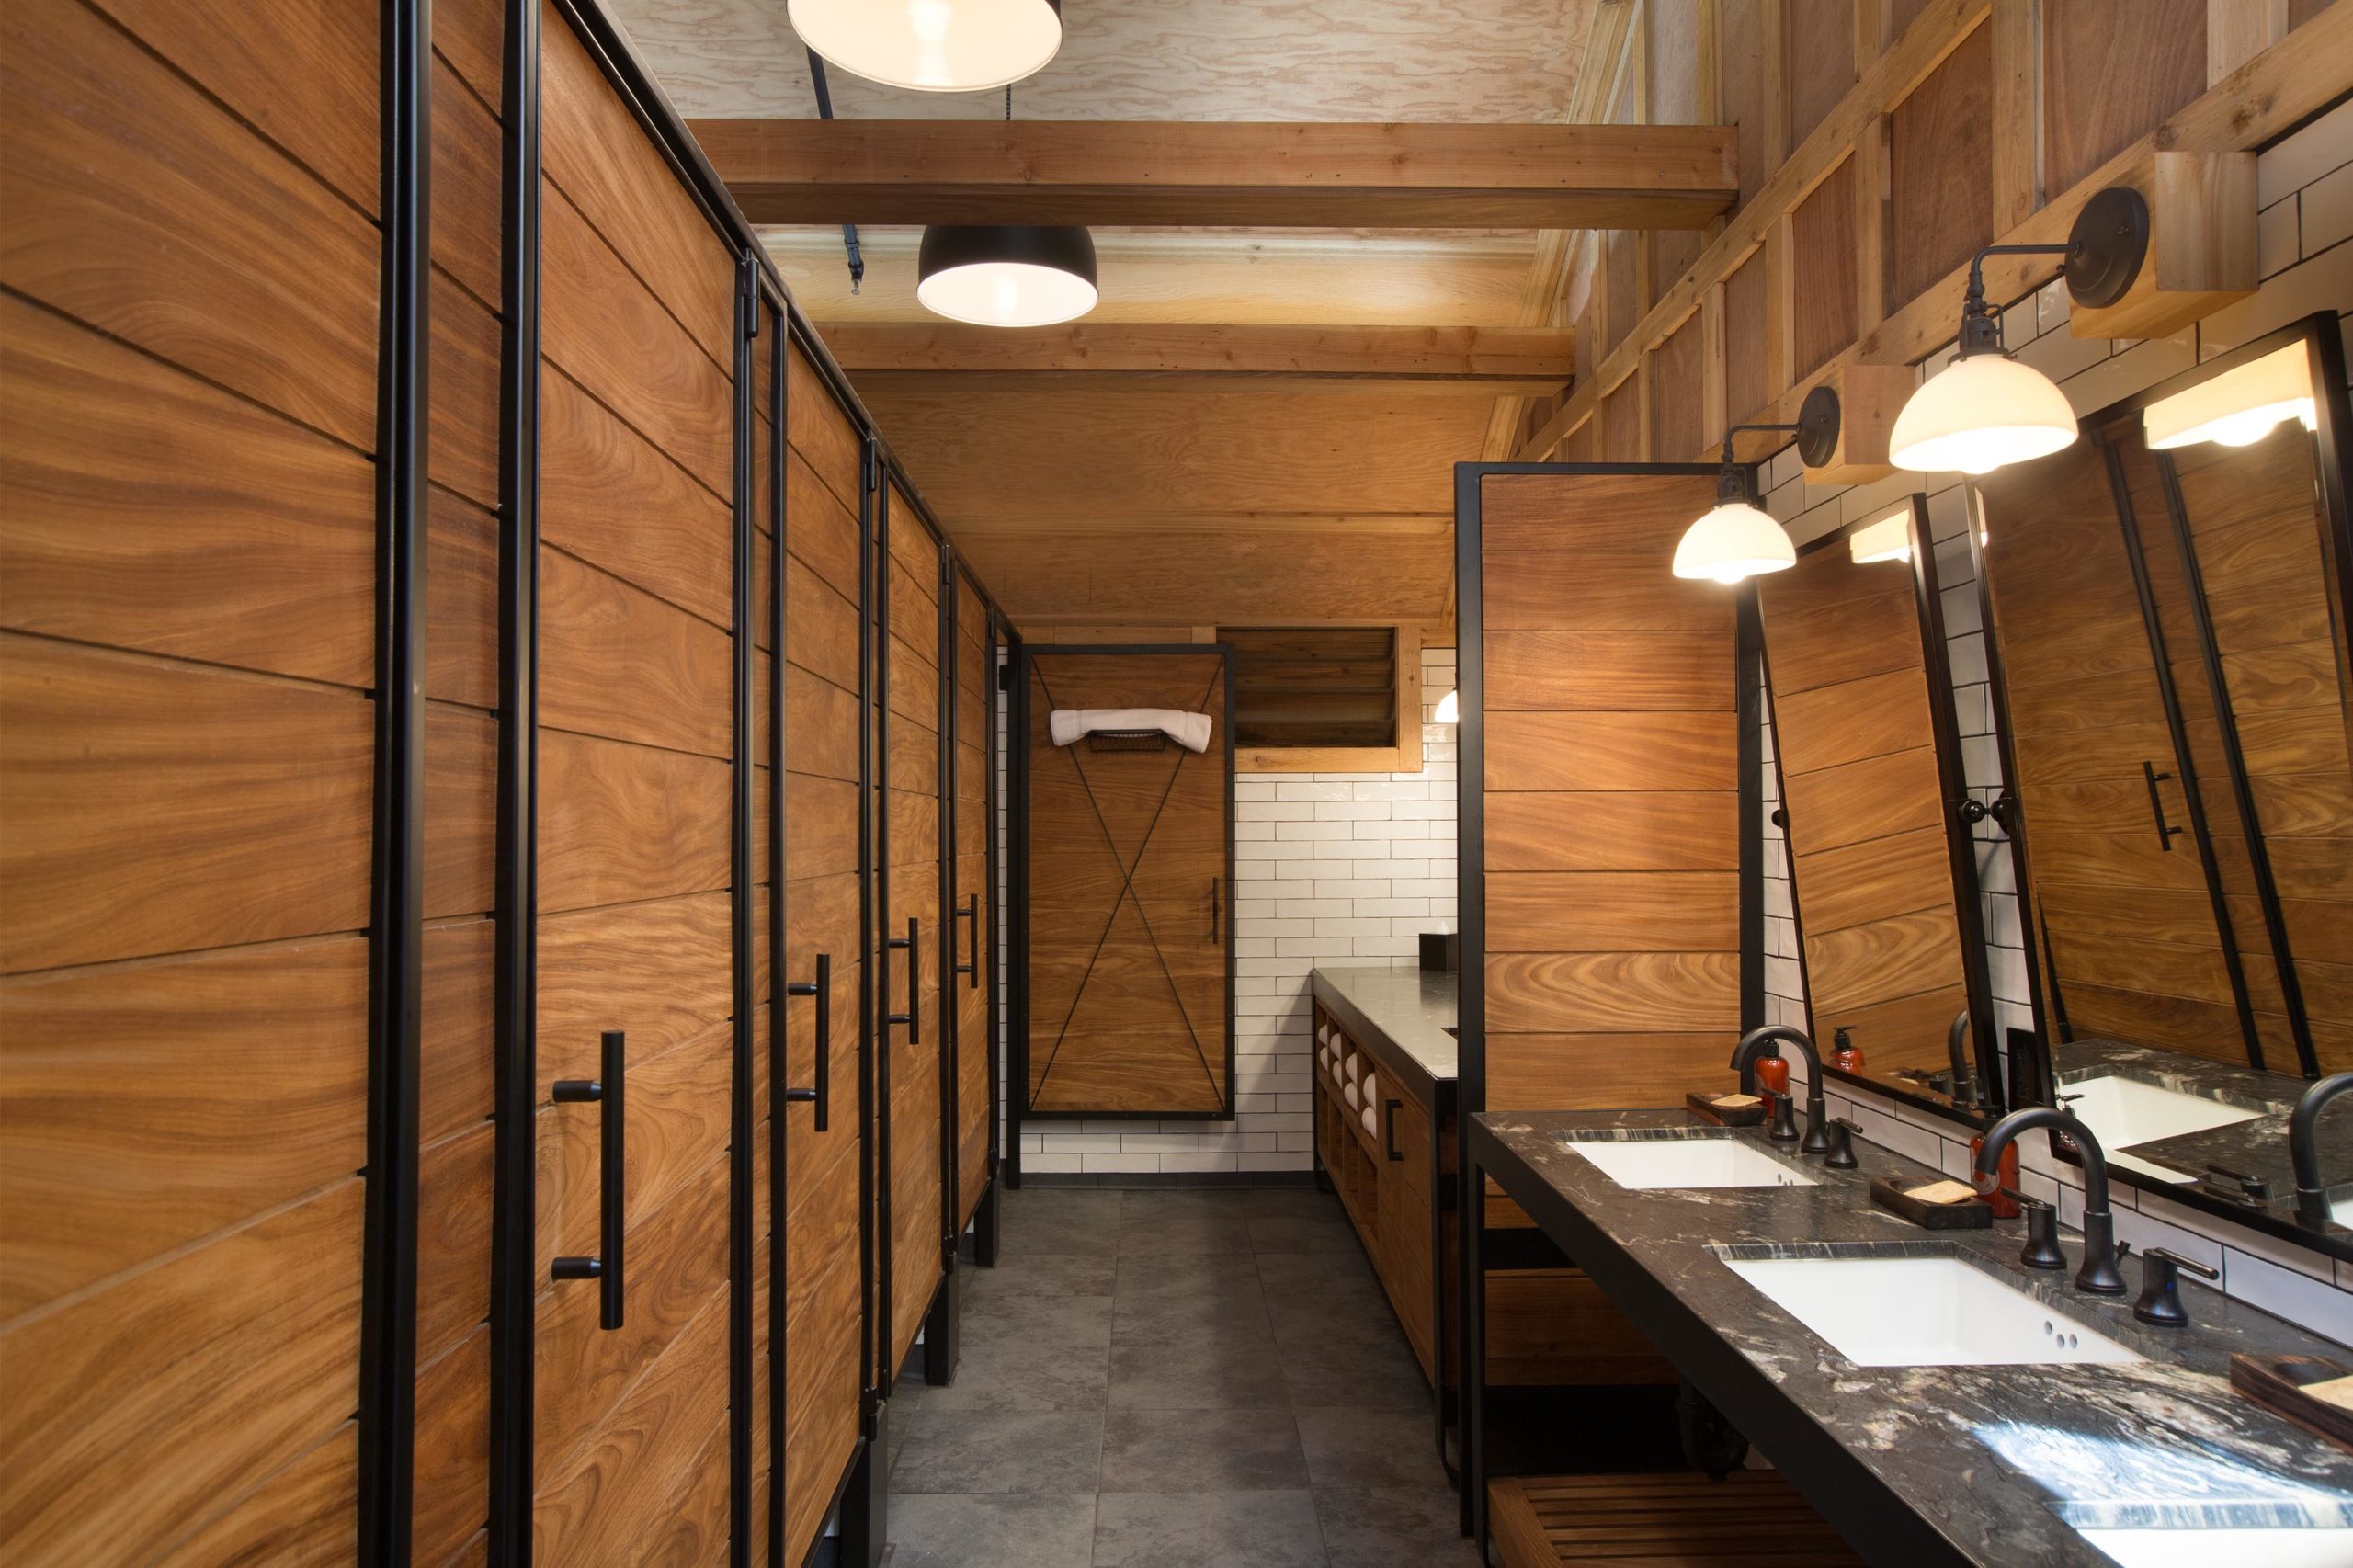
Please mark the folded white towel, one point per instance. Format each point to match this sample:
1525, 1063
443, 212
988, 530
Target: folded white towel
1372, 1127
1356, 1064
1349, 1091
1190, 730
1371, 1089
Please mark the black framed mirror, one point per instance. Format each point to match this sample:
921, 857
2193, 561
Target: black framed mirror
2168, 599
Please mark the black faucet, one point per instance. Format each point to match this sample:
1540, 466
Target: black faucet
2098, 1273
2303, 1147
1963, 1093
1763, 1041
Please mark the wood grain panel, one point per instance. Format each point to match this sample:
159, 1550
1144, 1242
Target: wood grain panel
461, 801
1578, 1072
1646, 831
616, 662
1612, 670
461, 423
455, 1178
1877, 798
1897, 957
456, 1048
1556, 993
1941, 167
818, 531
150, 1105
304, 1514
678, 1123
610, 496
2097, 97
822, 431
659, 969
1610, 751
153, 1377
621, 822
1868, 635
821, 627
1817, 47
612, 336
460, 601
466, 219
1856, 882
1550, 1326
1606, 911
1822, 244
453, 1478
471, 35
1832, 726
238, 806
146, 210
621, 182
143, 508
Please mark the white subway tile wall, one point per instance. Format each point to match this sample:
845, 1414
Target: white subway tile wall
1328, 869
2306, 231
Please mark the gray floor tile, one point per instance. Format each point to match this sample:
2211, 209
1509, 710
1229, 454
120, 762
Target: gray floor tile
1227, 1374
1178, 1230
1019, 1372
986, 1451
1202, 1451
1323, 1275
1236, 1316
1042, 1274
1366, 1450
1414, 1527
1185, 1273
1369, 1375
983, 1531
1213, 1530
1058, 1221
1074, 1321
1300, 1233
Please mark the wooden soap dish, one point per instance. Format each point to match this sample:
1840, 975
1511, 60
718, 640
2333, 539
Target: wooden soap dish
1705, 1107
1974, 1214
2286, 1384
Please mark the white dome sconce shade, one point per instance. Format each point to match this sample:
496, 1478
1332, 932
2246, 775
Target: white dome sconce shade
1006, 273
1737, 540
2237, 407
932, 46
1987, 410
1449, 708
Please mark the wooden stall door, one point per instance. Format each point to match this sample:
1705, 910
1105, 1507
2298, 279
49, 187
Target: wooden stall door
825, 1329
2129, 925
636, 751
975, 914
1128, 908
909, 557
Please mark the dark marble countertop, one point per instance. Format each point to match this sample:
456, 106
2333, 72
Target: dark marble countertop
1406, 1006
1973, 1464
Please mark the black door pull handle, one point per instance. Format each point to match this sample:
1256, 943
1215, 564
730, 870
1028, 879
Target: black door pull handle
2157, 806
1389, 1111
613, 1170
822, 988
1214, 910
971, 911
913, 1017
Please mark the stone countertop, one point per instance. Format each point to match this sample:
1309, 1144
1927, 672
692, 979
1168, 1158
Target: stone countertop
1977, 1460
1407, 1007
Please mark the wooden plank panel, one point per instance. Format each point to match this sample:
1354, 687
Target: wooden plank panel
1552, 994
460, 803
466, 218
1864, 636
462, 360
821, 627
2097, 99
610, 496
307, 1512
150, 1105
822, 431
1605, 670
1942, 169
1821, 237
679, 1104
460, 601
617, 662
1612, 912
1853, 721
452, 1480
1897, 957
1818, 55
455, 1179
1610, 751
1629, 831
1577, 1071
238, 805
457, 1047
604, 329
1884, 796
154, 1377
1854, 882
147, 210
621, 822
1678, 422
143, 508
819, 532
658, 969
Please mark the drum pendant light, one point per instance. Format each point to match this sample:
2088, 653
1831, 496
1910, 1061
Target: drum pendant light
932, 46
1006, 273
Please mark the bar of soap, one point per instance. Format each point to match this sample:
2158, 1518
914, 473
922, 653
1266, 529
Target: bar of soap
1943, 1192
1735, 1102
2337, 1391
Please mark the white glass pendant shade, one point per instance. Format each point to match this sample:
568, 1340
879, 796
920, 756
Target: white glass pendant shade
2238, 407
1984, 411
1890, 538
1003, 275
931, 46
1449, 708
1732, 542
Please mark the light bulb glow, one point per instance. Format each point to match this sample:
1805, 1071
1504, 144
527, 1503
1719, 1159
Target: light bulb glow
1006, 293
1449, 708
2238, 407
1983, 413
1890, 538
932, 46
1734, 541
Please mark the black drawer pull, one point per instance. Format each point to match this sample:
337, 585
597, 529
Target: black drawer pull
822, 988
606, 1266
1389, 1111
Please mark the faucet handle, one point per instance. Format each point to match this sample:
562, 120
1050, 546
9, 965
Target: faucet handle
2042, 1249
1841, 1156
2160, 1300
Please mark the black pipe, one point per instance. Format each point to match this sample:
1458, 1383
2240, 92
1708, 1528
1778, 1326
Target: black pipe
2303, 1146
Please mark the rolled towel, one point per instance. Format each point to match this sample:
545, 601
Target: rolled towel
1355, 1062
1348, 1093
1371, 1126
1190, 730
1371, 1089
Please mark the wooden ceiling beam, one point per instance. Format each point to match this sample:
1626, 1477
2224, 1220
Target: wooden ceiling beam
1478, 361
1224, 172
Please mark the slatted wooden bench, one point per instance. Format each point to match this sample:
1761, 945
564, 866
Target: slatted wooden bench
1661, 1521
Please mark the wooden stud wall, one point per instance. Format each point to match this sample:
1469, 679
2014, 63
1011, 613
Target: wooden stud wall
187, 613
1881, 142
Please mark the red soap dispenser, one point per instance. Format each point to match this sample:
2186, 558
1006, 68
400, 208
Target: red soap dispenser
1844, 1055
1772, 1076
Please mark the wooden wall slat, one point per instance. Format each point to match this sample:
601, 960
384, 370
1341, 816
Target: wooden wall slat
2098, 97
617, 662
1941, 144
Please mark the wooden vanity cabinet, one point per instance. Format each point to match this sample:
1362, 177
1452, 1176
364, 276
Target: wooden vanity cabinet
1402, 1249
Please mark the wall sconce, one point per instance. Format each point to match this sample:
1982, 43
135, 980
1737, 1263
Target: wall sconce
1735, 538
1987, 409
932, 46
1890, 538
2238, 407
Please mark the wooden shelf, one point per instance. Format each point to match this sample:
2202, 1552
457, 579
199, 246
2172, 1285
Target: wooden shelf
1752, 1516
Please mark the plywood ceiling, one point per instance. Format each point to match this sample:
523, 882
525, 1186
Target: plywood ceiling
1141, 507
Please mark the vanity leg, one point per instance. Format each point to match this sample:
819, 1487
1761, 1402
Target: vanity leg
984, 1230
1710, 1443
1472, 1374
942, 1326
865, 1506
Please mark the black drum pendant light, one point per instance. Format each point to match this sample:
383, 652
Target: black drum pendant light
932, 46
1006, 273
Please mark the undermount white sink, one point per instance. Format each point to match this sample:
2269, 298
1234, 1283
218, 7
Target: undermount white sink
1914, 1311
2203, 1534
1702, 1161
2122, 1111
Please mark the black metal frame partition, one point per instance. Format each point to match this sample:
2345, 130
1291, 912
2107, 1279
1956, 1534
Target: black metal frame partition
388, 1356
1955, 816
1471, 905
1014, 1095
